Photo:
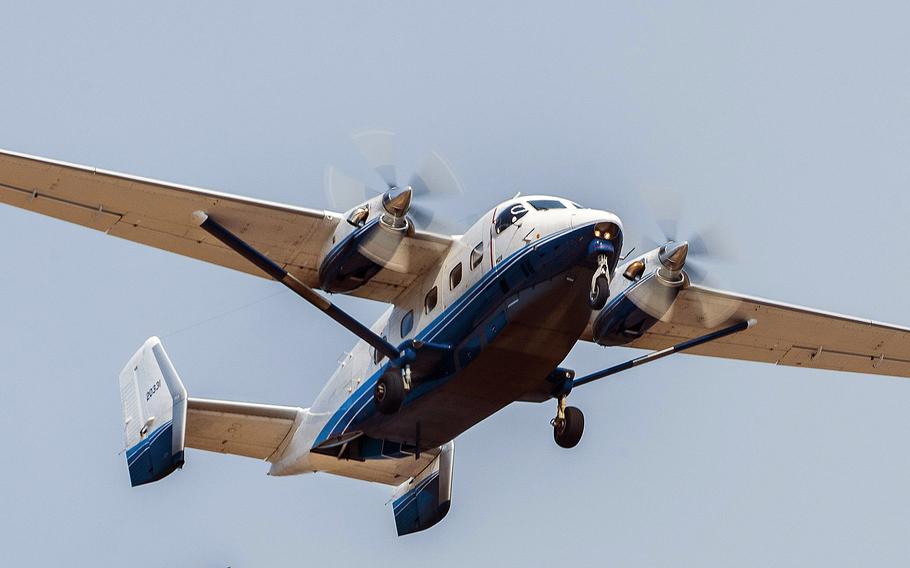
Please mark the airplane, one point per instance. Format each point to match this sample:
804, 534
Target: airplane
476, 320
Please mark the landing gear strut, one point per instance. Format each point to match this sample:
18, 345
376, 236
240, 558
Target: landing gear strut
569, 424
600, 283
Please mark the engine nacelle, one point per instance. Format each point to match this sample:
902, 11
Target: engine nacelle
621, 322
643, 294
344, 267
366, 243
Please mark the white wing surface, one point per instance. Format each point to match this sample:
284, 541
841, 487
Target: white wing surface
785, 334
159, 214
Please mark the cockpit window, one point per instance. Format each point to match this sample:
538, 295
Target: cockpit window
577, 206
509, 215
546, 204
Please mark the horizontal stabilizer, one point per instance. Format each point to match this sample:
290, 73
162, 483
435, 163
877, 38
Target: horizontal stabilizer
241, 428
153, 401
423, 501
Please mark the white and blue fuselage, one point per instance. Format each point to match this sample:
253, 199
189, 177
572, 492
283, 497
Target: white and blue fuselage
484, 300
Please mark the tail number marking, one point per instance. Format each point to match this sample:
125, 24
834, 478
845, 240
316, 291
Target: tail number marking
154, 388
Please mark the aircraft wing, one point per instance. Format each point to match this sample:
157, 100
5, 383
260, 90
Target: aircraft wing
784, 335
158, 214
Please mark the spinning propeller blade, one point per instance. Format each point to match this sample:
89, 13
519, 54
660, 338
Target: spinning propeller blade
666, 212
430, 188
343, 191
378, 148
434, 184
688, 252
435, 177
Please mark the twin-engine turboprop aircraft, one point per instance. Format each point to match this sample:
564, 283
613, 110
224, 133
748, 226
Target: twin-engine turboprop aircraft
477, 320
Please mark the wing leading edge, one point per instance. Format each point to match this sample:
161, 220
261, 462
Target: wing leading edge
785, 334
159, 214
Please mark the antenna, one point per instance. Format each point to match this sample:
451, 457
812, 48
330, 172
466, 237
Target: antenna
627, 255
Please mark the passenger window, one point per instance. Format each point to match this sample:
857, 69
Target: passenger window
509, 215
455, 276
431, 300
407, 324
476, 255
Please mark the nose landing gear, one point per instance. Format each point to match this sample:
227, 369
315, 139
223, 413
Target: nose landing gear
600, 283
569, 424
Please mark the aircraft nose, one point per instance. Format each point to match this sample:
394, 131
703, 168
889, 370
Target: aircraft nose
673, 255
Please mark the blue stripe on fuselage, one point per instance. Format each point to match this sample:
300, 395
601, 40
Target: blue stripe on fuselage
360, 399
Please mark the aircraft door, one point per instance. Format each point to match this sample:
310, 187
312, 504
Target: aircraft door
505, 230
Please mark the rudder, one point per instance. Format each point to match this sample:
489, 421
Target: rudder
423, 501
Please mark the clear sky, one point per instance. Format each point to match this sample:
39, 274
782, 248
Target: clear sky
789, 122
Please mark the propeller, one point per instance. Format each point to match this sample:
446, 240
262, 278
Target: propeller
703, 246
344, 192
683, 256
378, 149
416, 205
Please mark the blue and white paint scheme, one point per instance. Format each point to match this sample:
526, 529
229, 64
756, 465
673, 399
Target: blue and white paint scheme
476, 321
153, 401
424, 500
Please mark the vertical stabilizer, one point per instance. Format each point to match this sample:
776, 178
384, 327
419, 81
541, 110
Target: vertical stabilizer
153, 402
423, 501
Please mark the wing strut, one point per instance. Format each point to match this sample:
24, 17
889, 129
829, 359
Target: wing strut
268, 266
569, 423
679, 347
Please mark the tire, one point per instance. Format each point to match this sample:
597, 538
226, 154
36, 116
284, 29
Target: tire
388, 394
600, 293
568, 434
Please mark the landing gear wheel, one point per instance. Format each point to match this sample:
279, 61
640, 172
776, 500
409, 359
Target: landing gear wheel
567, 431
388, 394
600, 293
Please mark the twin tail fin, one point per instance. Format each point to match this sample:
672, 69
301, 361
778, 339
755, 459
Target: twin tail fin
153, 402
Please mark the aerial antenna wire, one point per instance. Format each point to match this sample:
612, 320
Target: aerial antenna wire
224, 314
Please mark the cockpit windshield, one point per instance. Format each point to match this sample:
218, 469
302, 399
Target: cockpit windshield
510, 213
546, 204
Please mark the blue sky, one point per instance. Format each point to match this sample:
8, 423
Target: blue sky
785, 122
